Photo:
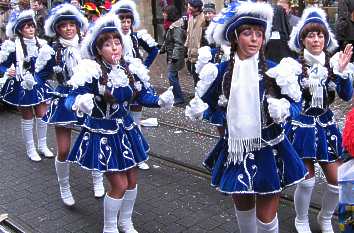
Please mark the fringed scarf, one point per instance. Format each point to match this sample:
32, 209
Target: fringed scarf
315, 86
71, 53
243, 109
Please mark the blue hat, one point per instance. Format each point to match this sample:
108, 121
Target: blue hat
312, 15
106, 23
16, 20
195, 3
63, 12
126, 7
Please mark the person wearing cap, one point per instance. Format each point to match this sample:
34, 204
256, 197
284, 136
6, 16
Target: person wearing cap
196, 22
57, 62
254, 161
314, 133
209, 13
110, 141
91, 12
127, 12
22, 89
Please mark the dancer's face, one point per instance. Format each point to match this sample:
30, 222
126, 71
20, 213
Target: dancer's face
111, 50
249, 41
28, 31
126, 24
314, 42
67, 29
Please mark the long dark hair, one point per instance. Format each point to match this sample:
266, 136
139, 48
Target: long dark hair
27, 63
171, 12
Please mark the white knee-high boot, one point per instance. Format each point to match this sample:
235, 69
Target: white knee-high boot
302, 198
111, 207
246, 220
42, 138
63, 171
97, 180
27, 133
125, 214
272, 227
329, 204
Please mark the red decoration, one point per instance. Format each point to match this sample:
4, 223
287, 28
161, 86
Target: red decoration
348, 133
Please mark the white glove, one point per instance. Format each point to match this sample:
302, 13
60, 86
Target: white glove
279, 109
138, 86
83, 104
195, 109
167, 99
28, 81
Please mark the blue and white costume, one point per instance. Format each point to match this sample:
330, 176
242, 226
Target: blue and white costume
109, 139
60, 60
314, 133
264, 161
24, 90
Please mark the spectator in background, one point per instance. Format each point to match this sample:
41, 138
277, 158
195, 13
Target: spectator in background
209, 13
91, 12
41, 14
173, 45
194, 35
24, 5
4, 15
345, 24
293, 19
76, 3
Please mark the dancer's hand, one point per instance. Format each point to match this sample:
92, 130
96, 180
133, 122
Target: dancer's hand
344, 57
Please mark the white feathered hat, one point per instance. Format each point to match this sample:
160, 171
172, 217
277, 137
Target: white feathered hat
241, 13
16, 21
106, 23
62, 12
312, 15
127, 7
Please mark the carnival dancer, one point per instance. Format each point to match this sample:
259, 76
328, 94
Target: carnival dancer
109, 140
21, 89
65, 25
255, 160
127, 12
314, 133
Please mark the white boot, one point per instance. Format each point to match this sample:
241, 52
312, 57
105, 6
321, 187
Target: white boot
42, 139
272, 227
27, 133
97, 180
329, 204
125, 214
63, 172
246, 220
302, 198
111, 207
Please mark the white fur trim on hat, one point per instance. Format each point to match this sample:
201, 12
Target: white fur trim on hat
305, 19
61, 10
108, 21
17, 17
132, 7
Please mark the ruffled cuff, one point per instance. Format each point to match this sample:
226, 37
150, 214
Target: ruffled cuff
6, 48
207, 76
166, 99
139, 69
204, 56
196, 108
286, 76
348, 72
84, 72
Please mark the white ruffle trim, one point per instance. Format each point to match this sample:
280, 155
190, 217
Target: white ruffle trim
204, 56
117, 78
286, 76
348, 71
145, 36
207, 76
84, 72
196, 108
6, 48
137, 67
44, 55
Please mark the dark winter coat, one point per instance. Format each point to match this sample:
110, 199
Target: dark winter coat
345, 25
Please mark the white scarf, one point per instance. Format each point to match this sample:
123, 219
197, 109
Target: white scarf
315, 80
243, 109
71, 53
128, 45
32, 51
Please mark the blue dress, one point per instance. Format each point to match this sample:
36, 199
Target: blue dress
12, 92
266, 171
47, 66
314, 133
109, 140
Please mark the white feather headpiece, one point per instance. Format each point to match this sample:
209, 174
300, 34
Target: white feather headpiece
312, 15
106, 23
16, 20
62, 12
127, 6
